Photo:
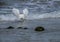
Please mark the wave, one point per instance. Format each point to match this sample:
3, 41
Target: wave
11, 17
55, 14
7, 18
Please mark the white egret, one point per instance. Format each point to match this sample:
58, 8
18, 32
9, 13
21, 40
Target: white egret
17, 13
21, 17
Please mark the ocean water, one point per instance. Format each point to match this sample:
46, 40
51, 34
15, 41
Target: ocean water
50, 34
41, 13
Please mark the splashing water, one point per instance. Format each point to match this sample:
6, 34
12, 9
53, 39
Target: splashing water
34, 7
55, 14
25, 15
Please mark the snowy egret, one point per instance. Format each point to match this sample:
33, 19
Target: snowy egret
21, 17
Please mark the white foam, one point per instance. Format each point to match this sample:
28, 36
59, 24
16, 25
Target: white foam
11, 17
55, 14
7, 18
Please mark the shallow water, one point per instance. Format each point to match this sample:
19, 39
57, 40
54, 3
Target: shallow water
50, 34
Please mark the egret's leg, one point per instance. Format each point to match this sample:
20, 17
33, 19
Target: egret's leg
22, 22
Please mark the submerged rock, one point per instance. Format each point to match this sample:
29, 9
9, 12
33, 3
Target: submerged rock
25, 28
39, 28
10, 27
19, 27
22, 28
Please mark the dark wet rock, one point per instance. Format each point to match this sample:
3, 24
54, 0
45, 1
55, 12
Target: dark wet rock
19, 27
25, 28
39, 28
22, 28
10, 27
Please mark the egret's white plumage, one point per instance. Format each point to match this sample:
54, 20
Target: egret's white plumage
25, 11
16, 12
